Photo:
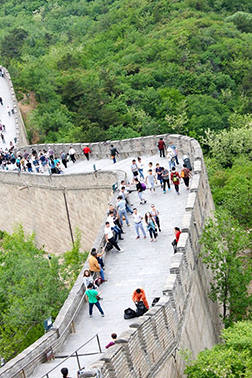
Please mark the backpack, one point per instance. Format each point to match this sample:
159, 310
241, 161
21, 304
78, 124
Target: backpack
141, 309
182, 174
143, 186
129, 313
175, 178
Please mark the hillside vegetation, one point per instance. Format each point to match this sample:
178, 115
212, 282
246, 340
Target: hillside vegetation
108, 69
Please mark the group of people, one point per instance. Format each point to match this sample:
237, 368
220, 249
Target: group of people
44, 161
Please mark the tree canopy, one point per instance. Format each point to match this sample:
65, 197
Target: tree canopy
100, 67
32, 288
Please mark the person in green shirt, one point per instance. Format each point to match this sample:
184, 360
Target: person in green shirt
91, 295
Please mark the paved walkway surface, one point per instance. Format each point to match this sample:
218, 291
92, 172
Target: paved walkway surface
144, 263
5, 119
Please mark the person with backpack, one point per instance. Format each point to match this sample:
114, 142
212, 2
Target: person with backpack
137, 218
140, 187
171, 158
175, 179
185, 174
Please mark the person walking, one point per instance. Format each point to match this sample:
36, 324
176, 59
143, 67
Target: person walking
140, 189
109, 237
161, 147
93, 297
63, 157
185, 174
155, 214
134, 170
113, 153
86, 151
151, 226
170, 158
140, 166
72, 153
122, 212
151, 181
165, 177
175, 151
159, 174
175, 179
137, 218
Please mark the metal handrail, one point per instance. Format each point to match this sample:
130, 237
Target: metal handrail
76, 355
58, 338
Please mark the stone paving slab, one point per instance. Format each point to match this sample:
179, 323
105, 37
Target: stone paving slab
142, 264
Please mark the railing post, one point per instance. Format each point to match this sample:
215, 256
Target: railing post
78, 359
98, 341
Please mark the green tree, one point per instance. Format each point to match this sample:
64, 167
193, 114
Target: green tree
230, 359
224, 247
30, 291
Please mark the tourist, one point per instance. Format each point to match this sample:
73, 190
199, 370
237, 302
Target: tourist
121, 207
185, 174
64, 372
72, 153
137, 218
63, 157
151, 226
93, 297
171, 158
140, 190
86, 152
175, 151
140, 166
174, 243
87, 278
165, 177
161, 147
139, 295
134, 170
117, 230
113, 153
159, 174
109, 237
94, 266
155, 214
111, 343
175, 179
151, 181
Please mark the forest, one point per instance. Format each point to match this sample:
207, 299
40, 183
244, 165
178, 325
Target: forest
104, 69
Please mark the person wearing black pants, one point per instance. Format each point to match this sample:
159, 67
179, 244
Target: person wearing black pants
110, 237
165, 177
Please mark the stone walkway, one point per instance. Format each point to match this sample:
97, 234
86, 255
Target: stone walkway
5, 119
143, 264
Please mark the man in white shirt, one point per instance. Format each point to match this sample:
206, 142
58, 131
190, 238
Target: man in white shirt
110, 237
72, 154
137, 218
